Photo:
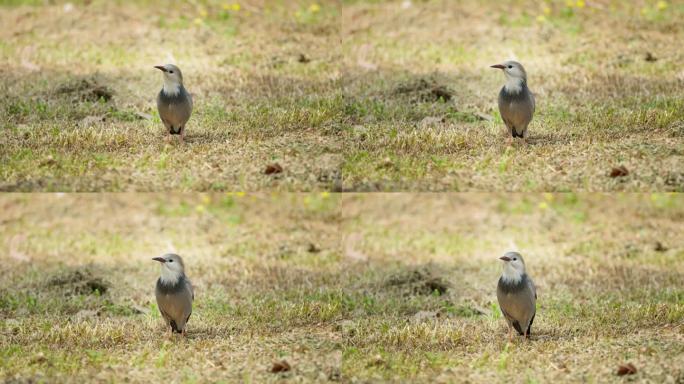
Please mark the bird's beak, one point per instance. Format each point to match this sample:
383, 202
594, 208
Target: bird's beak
159, 259
505, 258
160, 67
498, 66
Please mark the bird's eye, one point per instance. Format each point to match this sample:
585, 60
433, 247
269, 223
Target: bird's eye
172, 71
514, 259
509, 67
170, 261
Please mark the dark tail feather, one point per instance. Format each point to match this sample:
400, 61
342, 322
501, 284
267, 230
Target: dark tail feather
529, 327
174, 327
516, 325
516, 134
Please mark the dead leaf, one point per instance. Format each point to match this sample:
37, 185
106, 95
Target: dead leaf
626, 369
620, 171
49, 161
303, 59
376, 361
484, 116
39, 358
280, 366
272, 169
312, 248
143, 116
659, 247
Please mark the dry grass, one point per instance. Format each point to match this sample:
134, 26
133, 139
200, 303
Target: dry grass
600, 102
357, 112
360, 303
77, 83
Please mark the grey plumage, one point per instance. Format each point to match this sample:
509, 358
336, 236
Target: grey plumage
516, 294
174, 292
174, 102
516, 101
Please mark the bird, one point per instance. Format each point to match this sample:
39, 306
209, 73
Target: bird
517, 295
174, 102
174, 293
516, 101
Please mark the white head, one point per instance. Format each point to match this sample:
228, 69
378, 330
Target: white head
514, 267
515, 75
172, 268
173, 78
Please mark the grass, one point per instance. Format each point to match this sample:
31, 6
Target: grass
344, 95
355, 288
421, 108
79, 114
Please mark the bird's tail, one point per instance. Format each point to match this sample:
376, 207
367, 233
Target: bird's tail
516, 325
516, 134
174, 327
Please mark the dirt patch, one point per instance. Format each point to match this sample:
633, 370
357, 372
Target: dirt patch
420, 281
86, 89
79, 282
424, 89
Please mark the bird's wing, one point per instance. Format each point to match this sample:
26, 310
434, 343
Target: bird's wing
532, 287
532, 101
188, 285
162, 304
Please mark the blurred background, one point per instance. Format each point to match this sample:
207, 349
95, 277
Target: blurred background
343, 287
78, 110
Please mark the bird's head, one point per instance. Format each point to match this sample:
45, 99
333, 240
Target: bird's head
172, 267
172, 75
514, 265
513, 70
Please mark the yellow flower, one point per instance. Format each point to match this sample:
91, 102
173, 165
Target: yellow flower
203, 12
240, 194
206, 199
197, 21
325, 195
235, 7
580, 4
200, 208
225, 6
314, 8
547, 10
543, 205
541, 18
569, 3
662, 5
548, 197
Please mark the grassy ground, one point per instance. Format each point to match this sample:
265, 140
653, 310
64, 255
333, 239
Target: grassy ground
607, 77
350, 95
78, 95
353, 288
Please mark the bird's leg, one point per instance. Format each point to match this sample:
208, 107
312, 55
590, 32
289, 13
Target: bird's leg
510, 334
184, 333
